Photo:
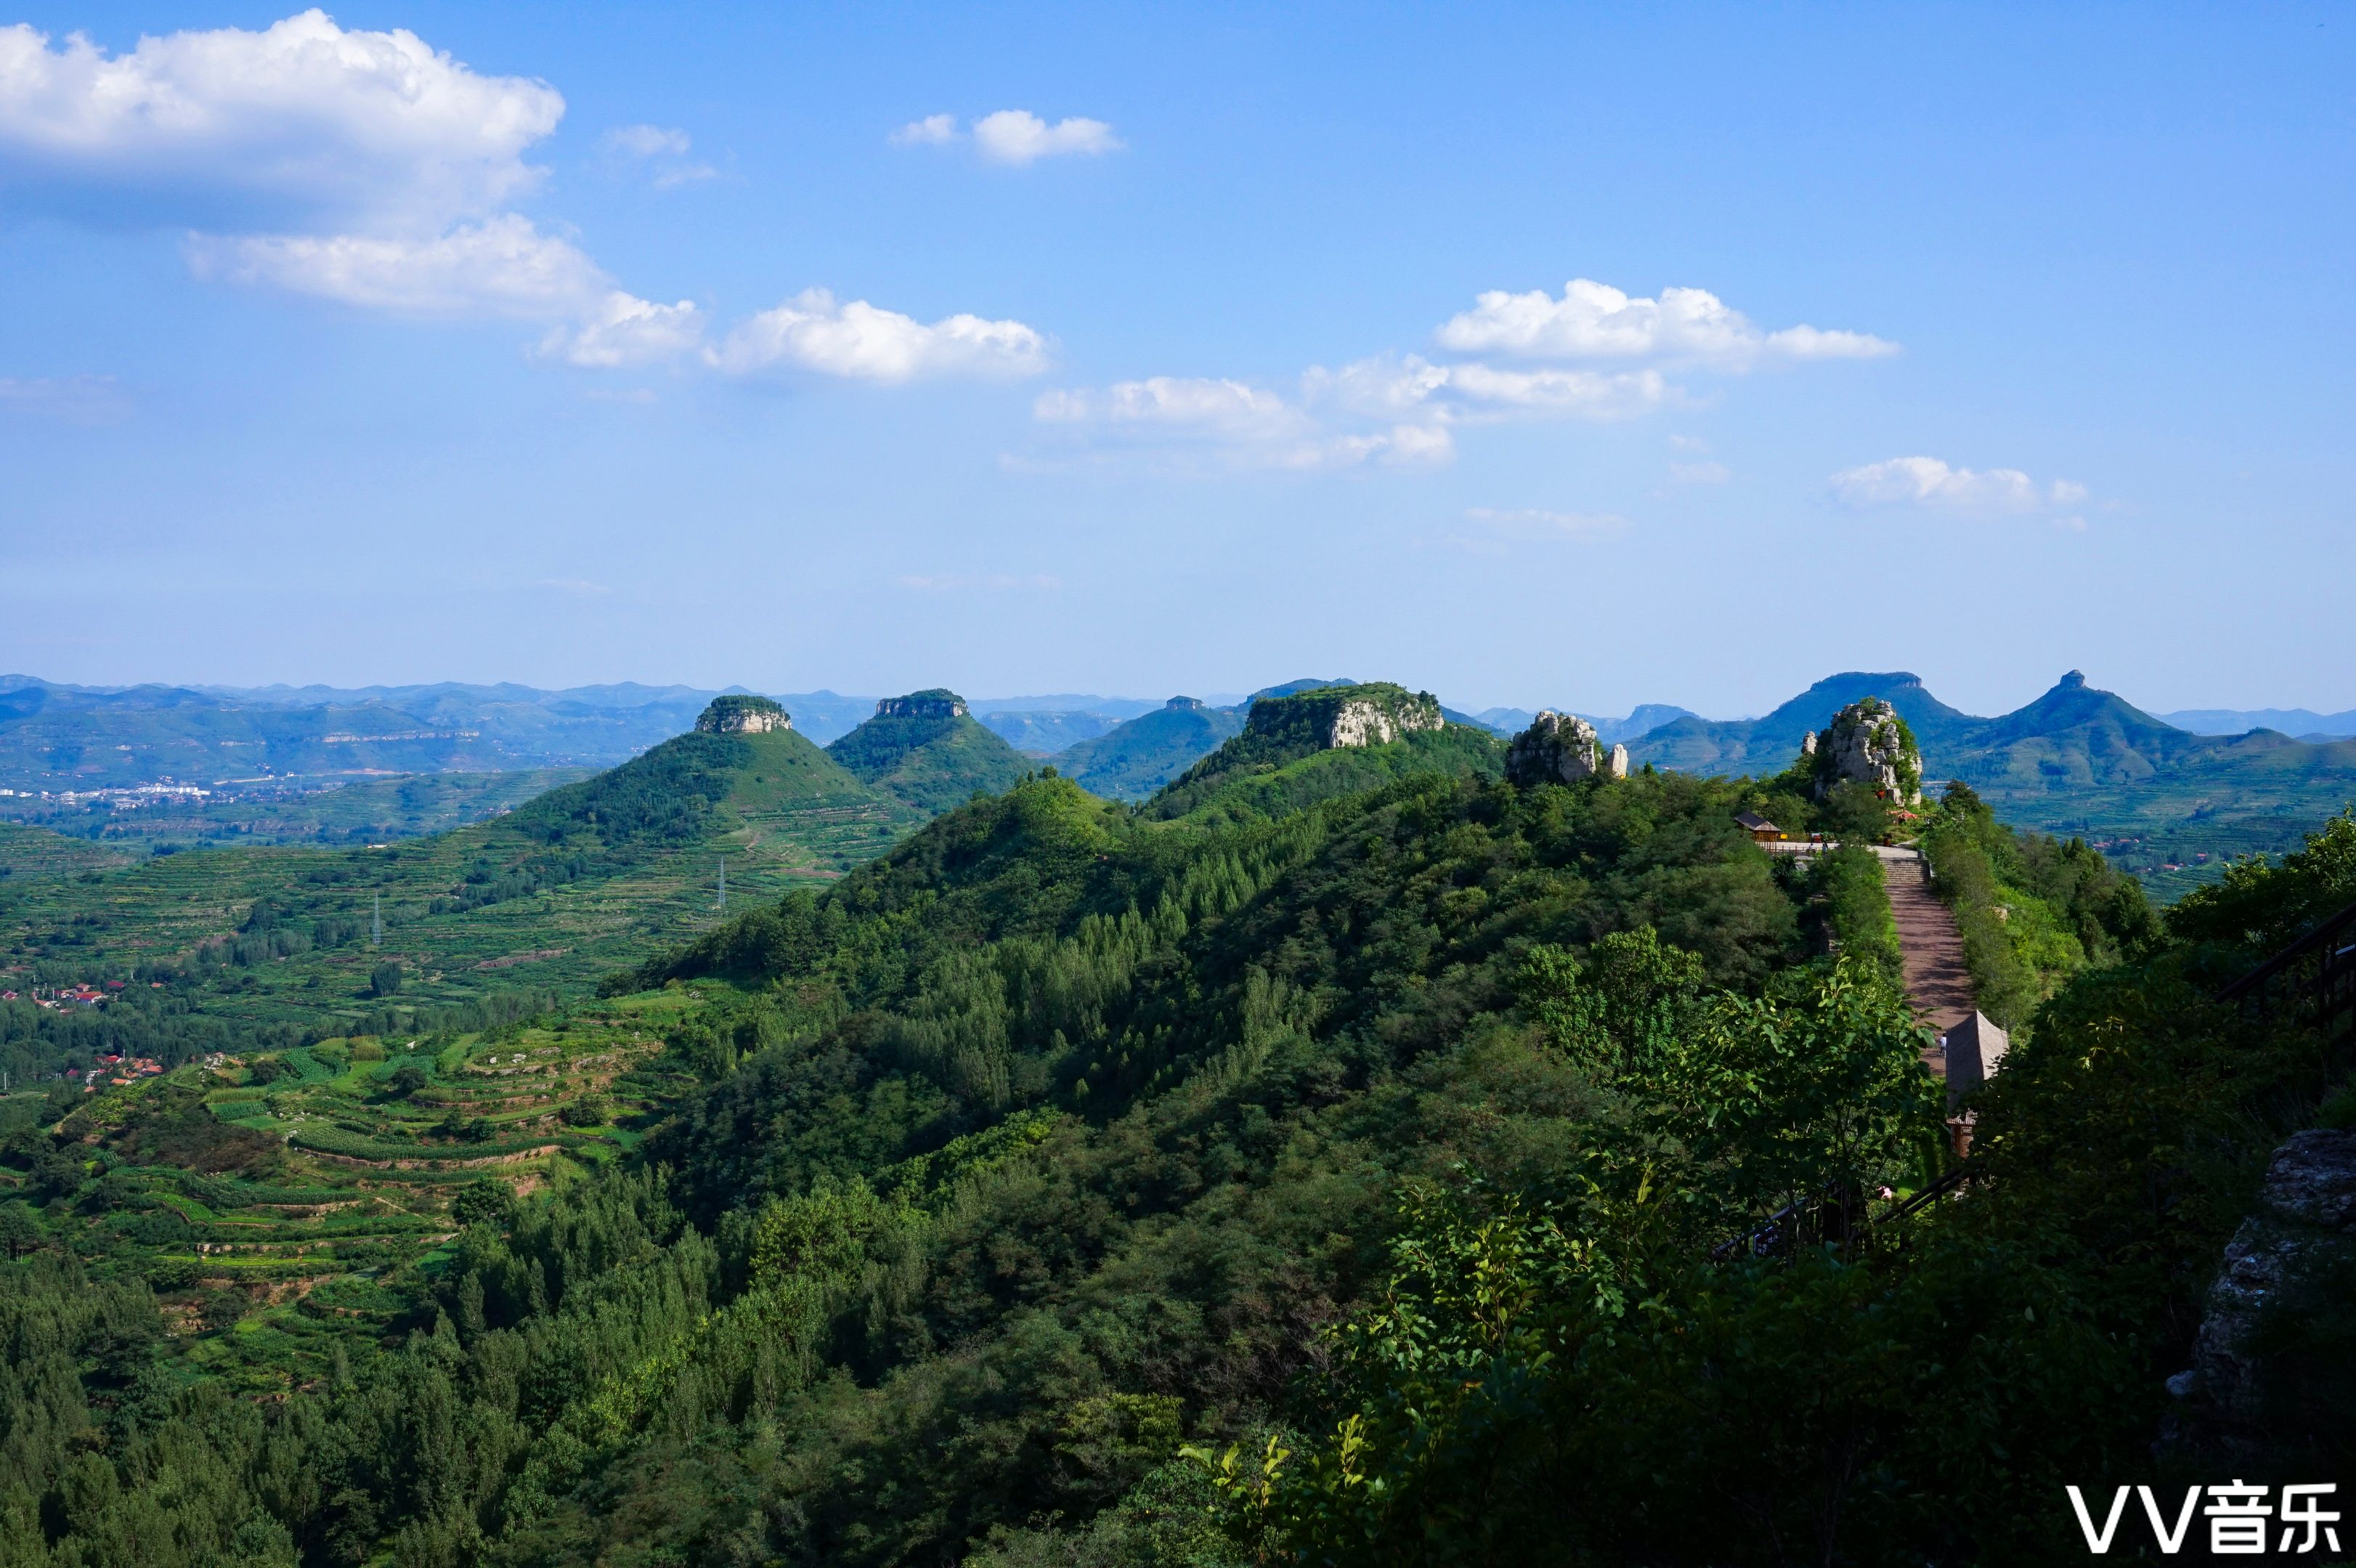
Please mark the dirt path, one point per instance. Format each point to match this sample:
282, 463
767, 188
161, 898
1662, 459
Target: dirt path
1936, 980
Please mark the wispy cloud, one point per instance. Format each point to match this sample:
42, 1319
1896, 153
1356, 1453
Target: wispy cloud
661, 150
931, 131
1928, 482
1013, 136
961, 581
1527, 525
74, 400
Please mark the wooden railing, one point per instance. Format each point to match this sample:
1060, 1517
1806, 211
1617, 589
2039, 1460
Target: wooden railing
2315, 975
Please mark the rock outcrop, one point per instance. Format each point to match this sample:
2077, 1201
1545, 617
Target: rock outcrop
1329, 716
1618, 767
742, 714
1869, 743
1558, 748
936, 702
2300, 1238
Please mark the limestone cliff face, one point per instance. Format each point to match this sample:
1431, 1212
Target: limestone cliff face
1331, 716
1869, 743
936, 703
1560, 748
1374, 721
742, 715
2288, 1253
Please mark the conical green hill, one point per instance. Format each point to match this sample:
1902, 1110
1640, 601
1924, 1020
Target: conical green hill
695, 786
926, 749
1133, 760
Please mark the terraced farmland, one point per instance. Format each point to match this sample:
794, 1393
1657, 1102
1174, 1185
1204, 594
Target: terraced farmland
278, 1202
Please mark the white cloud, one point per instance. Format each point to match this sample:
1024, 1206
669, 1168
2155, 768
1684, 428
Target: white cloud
1019, 136
1709, 471
931, 131
1596, 321
1929, 482
1392, 385
627, 330
663, 148
813, 331
1237, 424
298, 121
649, 141
502, 266
1225, 407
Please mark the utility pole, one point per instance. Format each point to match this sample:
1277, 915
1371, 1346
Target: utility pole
724, 885
376, 924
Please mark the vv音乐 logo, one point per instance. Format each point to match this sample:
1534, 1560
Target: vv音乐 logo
2240, 1520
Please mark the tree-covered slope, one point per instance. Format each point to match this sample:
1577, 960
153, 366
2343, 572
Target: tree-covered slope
1316, 743
1463, 1173
1133, 760
551, 895
926, 750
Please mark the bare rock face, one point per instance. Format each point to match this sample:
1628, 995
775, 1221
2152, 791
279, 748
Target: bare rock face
939, 703
1367, 720
2303, 1230
740, 715
1869, 743
1558, 748
1619, 764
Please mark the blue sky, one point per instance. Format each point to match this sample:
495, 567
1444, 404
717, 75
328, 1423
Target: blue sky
1529, 355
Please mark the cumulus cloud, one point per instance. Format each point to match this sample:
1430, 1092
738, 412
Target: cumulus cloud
1929, 482
1596, 321
813, 331
624, 330
301, 121
1019, 136
929, 132
502, 266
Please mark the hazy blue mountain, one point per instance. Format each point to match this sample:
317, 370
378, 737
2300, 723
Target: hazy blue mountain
1647, 717
1045, 733
1133, 760
1114, 708
2304, 722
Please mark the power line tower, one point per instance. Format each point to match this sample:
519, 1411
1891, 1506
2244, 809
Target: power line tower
376, 924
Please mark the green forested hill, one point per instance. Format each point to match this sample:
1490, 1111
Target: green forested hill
1425, 1160
1133, 760
2171, 805
925, 750
551, 895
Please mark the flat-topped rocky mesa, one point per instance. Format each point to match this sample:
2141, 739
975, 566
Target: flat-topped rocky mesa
1869, 743
1561, 748
743, 715
1327, 717
934, 703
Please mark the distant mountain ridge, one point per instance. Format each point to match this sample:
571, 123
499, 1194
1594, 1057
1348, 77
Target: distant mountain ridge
2299, 723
